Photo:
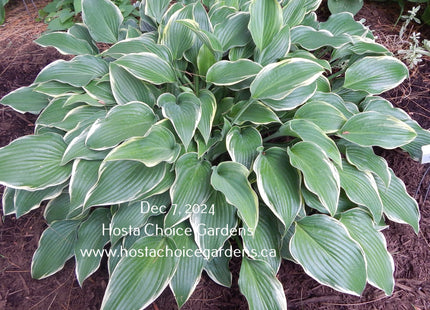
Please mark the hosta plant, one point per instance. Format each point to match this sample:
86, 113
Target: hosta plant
214, 129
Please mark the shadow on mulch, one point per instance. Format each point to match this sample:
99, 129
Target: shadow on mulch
21, 60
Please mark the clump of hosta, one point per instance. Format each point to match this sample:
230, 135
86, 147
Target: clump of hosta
208, 122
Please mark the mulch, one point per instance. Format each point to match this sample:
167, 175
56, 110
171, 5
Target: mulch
21, 60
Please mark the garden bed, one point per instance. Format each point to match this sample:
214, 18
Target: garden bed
21, 60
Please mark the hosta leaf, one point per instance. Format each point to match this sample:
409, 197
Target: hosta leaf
375, 75
148, 67
66, 43
33, 162
103, 19
100, 91
341, 23
58, 209
278, 80
265, 21
218, 267
294, 12
361, 188
311, 39
55, 248
265, 242
380, 264
127, 88
399, 206
352, 6
25, 99
365, 160
231, 179
57, 89
209, 107
377, 129
78, 149
242, 144
137, 281
176, 36
158, 145
278, 184
324, 115
422, 138
327, 253
204, 36
205, 59
191, 186
189, 270
25, 201
138, 45
84, 177
277, 48
77, 72
184, 112
231, 72
7, 201
306, 156
233, 31
216, 213
256, 113
122, 181
90, 238
156, 8
259, 284
296, 98
122, 122
308, 131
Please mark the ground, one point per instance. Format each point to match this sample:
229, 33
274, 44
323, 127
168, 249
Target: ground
21, 60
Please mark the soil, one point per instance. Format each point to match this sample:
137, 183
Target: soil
20, 62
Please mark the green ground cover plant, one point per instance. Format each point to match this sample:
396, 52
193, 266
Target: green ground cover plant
210, 125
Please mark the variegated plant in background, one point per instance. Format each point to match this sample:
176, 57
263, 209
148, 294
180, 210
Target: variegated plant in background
254, 109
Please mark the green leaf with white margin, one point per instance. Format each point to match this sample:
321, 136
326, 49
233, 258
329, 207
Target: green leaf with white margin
233, 31
379, 262
365, 160
127, 88
399, 206
66, 43
256, 113
206, 37
176, 36
122, 181
242, 144
91, 237
377, 129
225, 73
25, 201
123, 121
344, 23
218, 267
191, 186
8, 205
25, 99
184, 112
137, 281
158, 145
138, 45
103, 19
136, 214
33, 162
208, 107
84, 177
189, 270
325, 250
265, 21
57, 89
278, 80
311, 160
215, 214
78, 149
258, 282
57, 209
148, 67
156, 8
308, 131
55, 248
277, 48
375, 75
231, 179
322, 114
294, 12
361, 188
77, 72
422, 138
265, 241
279, 184
296, 98
352, 6
311, 39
